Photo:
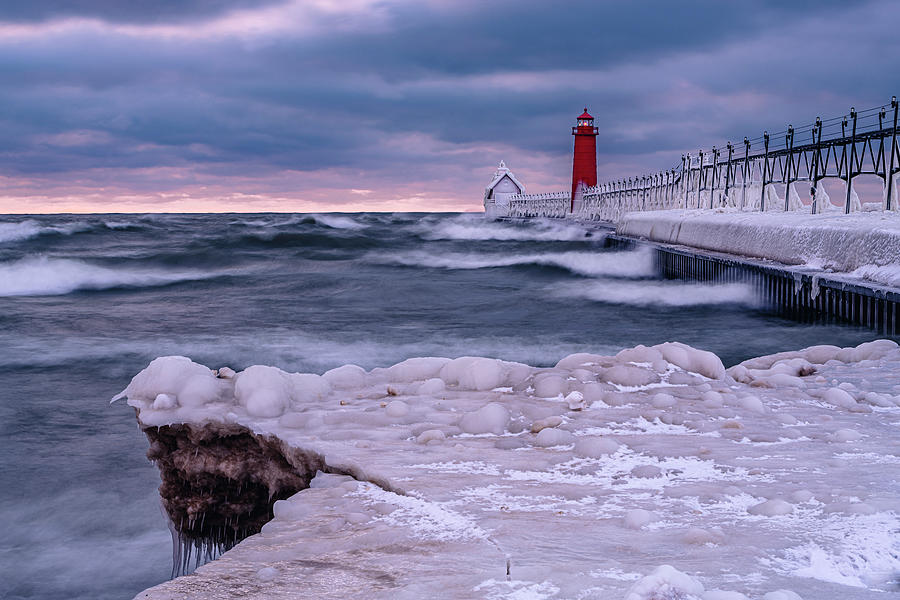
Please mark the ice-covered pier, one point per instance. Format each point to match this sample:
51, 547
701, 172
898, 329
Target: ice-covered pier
842, 268
655, 473
809, 216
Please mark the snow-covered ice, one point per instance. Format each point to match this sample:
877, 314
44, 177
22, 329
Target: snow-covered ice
653, 474
863, 245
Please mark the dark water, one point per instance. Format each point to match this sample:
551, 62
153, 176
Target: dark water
87, 301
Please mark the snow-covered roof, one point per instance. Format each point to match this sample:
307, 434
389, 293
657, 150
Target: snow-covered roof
501, 172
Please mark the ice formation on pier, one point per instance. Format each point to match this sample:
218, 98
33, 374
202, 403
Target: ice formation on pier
862, 244
655, 473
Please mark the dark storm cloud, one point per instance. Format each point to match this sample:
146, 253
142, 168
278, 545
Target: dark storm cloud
582, 34
428, 85
122, 11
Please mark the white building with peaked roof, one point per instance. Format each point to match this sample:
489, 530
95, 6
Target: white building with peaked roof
497, 193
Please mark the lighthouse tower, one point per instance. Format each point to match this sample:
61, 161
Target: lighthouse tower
584, 161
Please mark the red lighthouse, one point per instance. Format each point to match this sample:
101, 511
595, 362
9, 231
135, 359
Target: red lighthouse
584, 162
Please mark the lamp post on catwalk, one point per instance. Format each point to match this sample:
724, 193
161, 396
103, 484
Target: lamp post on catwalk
584, 161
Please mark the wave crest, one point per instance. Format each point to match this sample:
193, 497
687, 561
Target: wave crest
26, 230
663, 293
637, 263
41, 276
121, 225
15, 232
477, 228
329, 220
338, 222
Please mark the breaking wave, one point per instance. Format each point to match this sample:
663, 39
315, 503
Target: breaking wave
26, 230
309, 230
14, 232
121, 225
475, 228
41, 276
331, 221
337, 222
638, 263
647, 293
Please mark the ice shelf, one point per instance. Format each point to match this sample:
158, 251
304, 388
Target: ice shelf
653, 474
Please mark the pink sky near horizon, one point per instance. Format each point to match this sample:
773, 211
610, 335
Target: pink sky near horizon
25, 197
450, 189
192, 204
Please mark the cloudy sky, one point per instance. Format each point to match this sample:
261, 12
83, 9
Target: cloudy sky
194, 105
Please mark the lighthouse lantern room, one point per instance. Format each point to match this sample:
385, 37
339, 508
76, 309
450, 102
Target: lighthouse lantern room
584, 161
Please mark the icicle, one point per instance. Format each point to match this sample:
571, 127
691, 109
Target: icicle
823, 200
773, 201
794, 202
855, 203
208, 513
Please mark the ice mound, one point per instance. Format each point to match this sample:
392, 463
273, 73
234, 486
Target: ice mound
476, 477
666, 583
182, 383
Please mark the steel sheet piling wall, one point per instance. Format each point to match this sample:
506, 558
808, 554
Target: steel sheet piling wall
810, 298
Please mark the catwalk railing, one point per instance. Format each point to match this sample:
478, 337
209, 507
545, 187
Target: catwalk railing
551, 204
762, 174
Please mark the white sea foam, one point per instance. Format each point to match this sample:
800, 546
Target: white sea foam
334, 221
593, 264
117, 225
467, 227
41, 276
24, 230
664, 293
14, 232
338, 222
259, 223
